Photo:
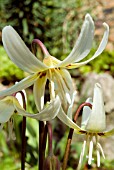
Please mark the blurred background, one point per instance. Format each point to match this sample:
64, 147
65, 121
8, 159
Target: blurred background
57, 24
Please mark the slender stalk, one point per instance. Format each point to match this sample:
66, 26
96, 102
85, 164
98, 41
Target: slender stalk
23, 146
41, 152
67, 150
38, 42
44, 142
50, 136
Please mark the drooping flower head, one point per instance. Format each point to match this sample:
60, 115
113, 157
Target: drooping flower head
93, 125
50, 68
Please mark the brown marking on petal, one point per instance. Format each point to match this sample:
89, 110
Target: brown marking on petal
101, 134
42, 75
15, 111
68, 65
39, 73
82, 131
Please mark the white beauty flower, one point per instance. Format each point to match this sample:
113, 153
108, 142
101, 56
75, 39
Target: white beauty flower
50, 68
10, 105
93, 125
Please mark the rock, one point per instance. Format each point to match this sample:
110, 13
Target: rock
107, 83
107, 143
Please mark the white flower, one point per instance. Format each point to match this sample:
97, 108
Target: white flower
10, 104
50, 68
93, 125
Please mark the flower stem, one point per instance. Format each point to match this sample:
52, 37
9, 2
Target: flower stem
50, 136
42, 144
23, 152
67, 150
23, 146
38, 42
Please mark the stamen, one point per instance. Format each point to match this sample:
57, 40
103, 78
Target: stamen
98, 158
81, 155
90, 152
83, 151
101, 149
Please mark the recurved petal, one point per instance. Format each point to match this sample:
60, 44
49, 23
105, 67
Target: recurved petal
23, 84
38, 90
49, 113
97, 53
19, 52
108, 133
66, 120
97, 122
83, 44
6, 109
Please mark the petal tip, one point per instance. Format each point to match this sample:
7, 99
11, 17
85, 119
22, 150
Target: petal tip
88, 17
7, 28
106, 26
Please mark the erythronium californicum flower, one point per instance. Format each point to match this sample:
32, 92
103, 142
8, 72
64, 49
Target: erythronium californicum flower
93, 125
10, 104
50, 68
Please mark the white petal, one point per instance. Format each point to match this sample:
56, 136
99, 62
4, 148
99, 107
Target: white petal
86, 113
66, 120
38, 91
46, 114
97, 122
63, 87
69, 111
11, 130
19, 53
83, 44
59, 90
23, 84
101, 149
108, 133
67, 79
97, 53
6, 109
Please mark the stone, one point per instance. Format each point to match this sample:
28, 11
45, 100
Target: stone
107, 83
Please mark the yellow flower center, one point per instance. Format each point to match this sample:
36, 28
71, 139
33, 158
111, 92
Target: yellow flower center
51, 61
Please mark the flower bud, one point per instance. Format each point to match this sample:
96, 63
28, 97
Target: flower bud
51, 163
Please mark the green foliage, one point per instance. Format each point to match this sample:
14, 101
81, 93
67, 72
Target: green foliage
8, 70
104, 63
54, 22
